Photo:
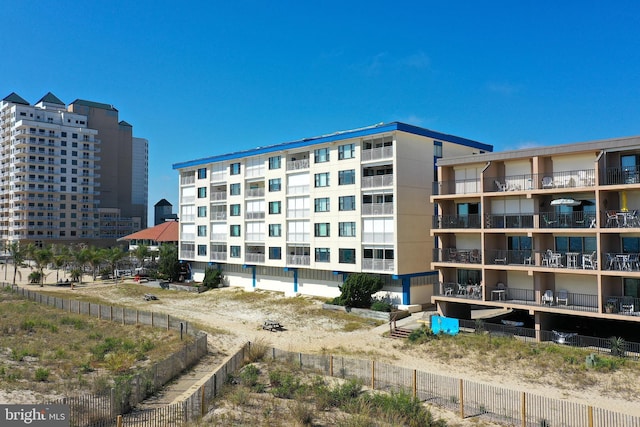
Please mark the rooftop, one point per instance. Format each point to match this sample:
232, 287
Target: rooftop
337, 136
165, 232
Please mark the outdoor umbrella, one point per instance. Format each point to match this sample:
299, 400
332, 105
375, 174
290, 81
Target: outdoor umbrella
565, 202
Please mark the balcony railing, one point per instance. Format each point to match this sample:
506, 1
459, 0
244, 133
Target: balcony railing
297, 189
218, 216
254, 215
187, 254
567, 220
624, 175
455, 221
298, 164
218, 256
298, 260
376, 154
255, 237
218, 237
573, 301
377, 237
377, 209
464, 256
298, 237
254, 257
510, 220
218, 195
255, 192
377, 181
298, 213
377, 264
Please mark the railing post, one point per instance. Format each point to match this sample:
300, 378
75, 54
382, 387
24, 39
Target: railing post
167, 322
461, 386
119, 421
524, 409
373, 375
331, 365
203, 410
415, 383
590, 415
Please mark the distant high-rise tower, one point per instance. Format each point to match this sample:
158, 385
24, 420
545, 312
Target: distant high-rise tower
163, 211
67, 172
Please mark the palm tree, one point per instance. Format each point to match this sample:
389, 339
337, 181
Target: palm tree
17, 254
94, 259
41, 257
113, 256
168, 261
141, 253
81, 257
60, 258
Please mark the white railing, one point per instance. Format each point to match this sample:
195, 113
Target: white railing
377, 237
187, 254
298, 260
255, 192
218, 177
218, 256
377, 209
218, 237
254, 257
377, 264
298, 189
298, 164
218, 195
298, 213
298, 237
255, 237
254, 215
187, 199
188, 236
217, 216
377, 153
377, 181
188, 218
254, 172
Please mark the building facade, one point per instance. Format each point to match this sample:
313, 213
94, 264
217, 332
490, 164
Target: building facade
53, 179
548, 237
300, 216
163, 211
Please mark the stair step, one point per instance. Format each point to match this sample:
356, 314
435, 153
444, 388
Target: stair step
400, 333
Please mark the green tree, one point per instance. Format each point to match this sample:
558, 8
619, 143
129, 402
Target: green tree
81, 258
17, 254
358, 289
212, 278
41, 258
60, 258
141, 252
168, 263
113, 256
95, 258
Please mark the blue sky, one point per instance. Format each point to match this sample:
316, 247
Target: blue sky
202, 78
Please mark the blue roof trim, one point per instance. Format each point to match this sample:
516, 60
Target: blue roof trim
420, 274
371, 130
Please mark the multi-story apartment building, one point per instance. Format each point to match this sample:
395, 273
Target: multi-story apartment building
299, 216
56, 168
550, 235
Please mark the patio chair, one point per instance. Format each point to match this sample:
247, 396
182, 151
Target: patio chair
634, 261
547, 182
475, 256
562, 297
547, 297
453, 254
589, 261
612, 219
501, 186
501, 258
548, 222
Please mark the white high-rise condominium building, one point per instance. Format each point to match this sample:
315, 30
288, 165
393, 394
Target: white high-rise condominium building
52, 174
298, 217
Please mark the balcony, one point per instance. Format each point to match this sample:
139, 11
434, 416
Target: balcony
187, 254
622, 175
254, 258
294, 165
255, 192
454, 221
217, 196
377, 209
378, 237
623, 305
297, 189
254, 215
255, 237
218, 216
218, 256
187, 179
298, 260
298, 213
464, 256
377, 154
218, 237
573, 301
377, 181
378, 264
567, 220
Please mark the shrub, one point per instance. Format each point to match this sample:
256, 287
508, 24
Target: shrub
42, 374
358, 289
256, 351
379, 305
618, 346
212, 278
284, 385
420, 335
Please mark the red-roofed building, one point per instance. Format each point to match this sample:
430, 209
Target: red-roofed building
153, 237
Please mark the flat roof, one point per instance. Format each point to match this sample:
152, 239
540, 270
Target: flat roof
613, 144
337, 136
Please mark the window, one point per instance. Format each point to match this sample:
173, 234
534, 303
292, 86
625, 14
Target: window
275, 207
275, 252
347, 177
234, 230
202, 192
274, 184
347, 229
275, 230
74, 135
235, 168
321, 155
322, 229
274, 162
347, 203
322, 255
63, 134
234, 210
202, 173
346, 151
202, 250
235, 251
437, 149
321, 204
234, 189
202, 211
347, 256
202, 231
322, 179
